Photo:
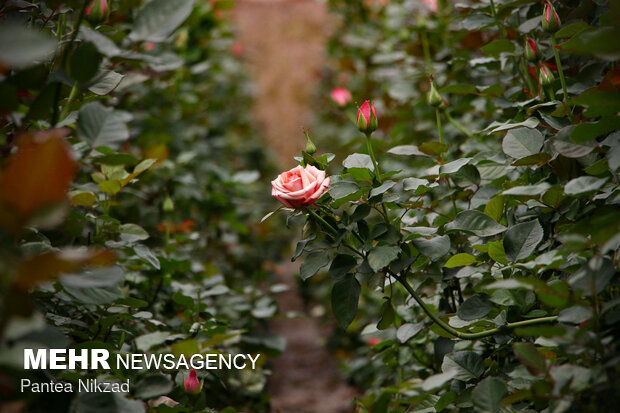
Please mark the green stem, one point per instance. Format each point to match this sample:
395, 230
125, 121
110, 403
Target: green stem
526, 77
63, 63
65, 109
458, 125
333, 230
558, 62
439, 129
372, 157
494, 14
470, 336
427, 52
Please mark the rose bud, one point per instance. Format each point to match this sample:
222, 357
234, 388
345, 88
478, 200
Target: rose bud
341, 96
192, 385
530, 50
299, 187
367, 118
433, 96
97, 11
550, 20
545, 76
310, 146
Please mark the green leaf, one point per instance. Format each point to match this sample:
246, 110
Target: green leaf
147, 341
382, 189
476, 222
101, 126
343, 189
593, 276
575, 315
536, 159
110, 187
466, 364
571, 29
488, 395
433, 248
84, 63
497, 253
407, 150
153, 385
590, 130
358, 160
495, 208
132, 233
460, 260
583, 185
159, 18
408, 330
22, 47
600, 43
454, 166
147, 255
498, 46
313, 263
341, 265
521, 240
387, 315
598, 102
99, 286
530, 357
381, 256
522, 142
475, 307
433, 148
345, 296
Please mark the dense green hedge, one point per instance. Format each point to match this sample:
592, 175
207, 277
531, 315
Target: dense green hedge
142, 116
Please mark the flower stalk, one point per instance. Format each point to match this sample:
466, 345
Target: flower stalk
469, 336
558, 63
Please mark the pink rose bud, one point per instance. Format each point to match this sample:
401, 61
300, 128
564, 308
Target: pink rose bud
545, 76
341, 96
550, 20
97, 11
192, 385
299, 187
530, 49
367, 118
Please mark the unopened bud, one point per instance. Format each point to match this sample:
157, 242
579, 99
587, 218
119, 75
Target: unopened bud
545, 75
433, 97
550, 20
310, 146
367, 118
97, 11
530, 50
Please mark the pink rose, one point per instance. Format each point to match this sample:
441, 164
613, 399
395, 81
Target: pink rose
431, 4
341, 96
300, 186
192, 385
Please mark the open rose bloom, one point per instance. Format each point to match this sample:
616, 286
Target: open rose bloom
299, 186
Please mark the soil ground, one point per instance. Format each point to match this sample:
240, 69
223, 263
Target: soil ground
283, 44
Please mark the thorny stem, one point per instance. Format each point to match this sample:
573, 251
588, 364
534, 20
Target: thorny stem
427, 52
469, 336
558, 62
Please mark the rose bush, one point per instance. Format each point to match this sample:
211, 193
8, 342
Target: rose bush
480, 244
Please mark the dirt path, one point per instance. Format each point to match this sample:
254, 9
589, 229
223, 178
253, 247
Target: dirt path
283, 43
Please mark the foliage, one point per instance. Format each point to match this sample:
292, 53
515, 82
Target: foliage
485, 234
129, 200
